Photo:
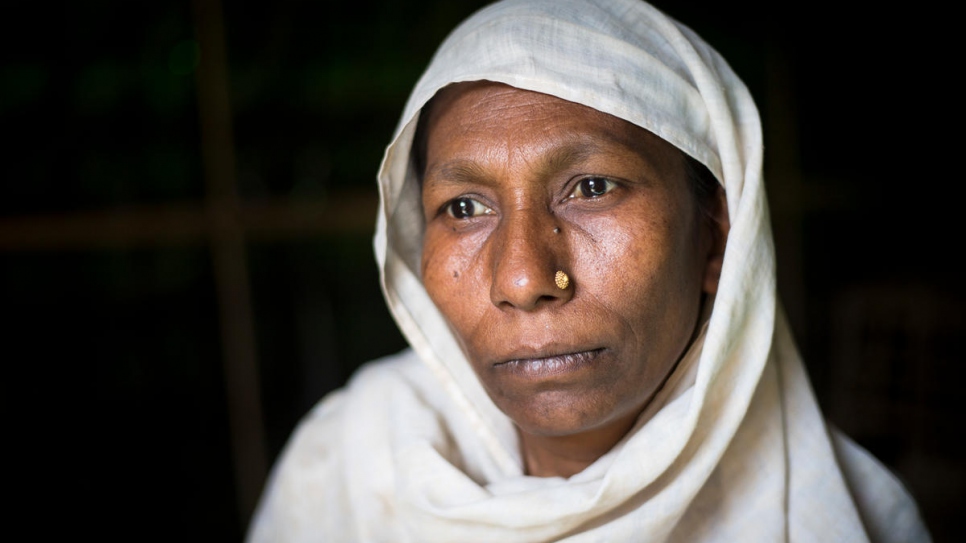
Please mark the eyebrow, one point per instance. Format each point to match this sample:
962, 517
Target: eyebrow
457, 172
562, 158
463, 171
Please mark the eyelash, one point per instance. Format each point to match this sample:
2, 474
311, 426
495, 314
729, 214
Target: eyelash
464, 204
587, 187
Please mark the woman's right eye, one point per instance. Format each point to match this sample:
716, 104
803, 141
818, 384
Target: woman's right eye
464, 208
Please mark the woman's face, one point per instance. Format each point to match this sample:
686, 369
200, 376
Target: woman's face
519, 185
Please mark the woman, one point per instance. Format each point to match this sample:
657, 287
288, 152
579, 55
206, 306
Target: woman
573, 236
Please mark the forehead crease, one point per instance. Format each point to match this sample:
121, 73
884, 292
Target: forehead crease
569, 137
557, 157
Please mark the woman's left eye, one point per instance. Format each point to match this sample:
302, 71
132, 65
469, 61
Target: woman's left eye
592, 187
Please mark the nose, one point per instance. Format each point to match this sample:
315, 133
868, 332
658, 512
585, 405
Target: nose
527, 249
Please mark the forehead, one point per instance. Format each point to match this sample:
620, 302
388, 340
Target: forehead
463, 113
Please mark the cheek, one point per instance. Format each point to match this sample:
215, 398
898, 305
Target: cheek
441, 270
451, 278
621, 250
641, 269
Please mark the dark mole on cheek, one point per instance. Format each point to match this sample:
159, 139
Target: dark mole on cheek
456, 274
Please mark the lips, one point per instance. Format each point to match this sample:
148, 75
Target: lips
548, 366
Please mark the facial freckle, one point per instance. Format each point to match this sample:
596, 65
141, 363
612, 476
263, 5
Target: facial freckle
456, 274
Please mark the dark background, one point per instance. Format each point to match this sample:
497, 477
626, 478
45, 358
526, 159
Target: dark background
136, 286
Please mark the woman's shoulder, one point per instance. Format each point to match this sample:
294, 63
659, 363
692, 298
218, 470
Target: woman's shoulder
316, 432
306, 494
375, 379
888, 510
401, 369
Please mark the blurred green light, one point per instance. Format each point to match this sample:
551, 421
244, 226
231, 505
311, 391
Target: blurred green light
184, 57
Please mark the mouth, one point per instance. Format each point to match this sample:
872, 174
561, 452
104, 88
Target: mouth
549, 366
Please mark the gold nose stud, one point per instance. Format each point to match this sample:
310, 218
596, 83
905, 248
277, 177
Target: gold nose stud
562, 280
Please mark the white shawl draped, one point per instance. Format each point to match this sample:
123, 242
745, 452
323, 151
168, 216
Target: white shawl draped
733, 448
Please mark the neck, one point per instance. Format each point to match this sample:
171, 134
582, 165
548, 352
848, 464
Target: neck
564, 456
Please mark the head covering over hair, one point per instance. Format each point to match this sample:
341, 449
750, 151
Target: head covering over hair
732, 448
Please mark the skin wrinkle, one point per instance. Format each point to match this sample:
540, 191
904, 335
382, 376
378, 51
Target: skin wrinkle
638, 257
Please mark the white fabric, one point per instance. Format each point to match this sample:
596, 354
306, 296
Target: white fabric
734, 447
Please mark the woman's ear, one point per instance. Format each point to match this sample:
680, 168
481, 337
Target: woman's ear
719, 225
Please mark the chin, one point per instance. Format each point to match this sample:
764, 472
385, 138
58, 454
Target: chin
562, 413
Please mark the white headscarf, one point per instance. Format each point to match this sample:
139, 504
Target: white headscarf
733, 448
